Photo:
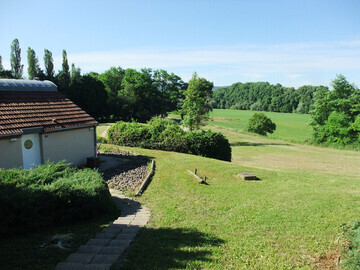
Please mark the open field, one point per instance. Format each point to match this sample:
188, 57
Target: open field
290, 219
290, 127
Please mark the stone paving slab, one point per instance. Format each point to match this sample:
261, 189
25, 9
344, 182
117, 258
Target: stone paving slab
123, 236
80, 258
86, 249
105, 259
97, 267
112, 250
120, 243
70, 266
105, 249
105, 236
98, 242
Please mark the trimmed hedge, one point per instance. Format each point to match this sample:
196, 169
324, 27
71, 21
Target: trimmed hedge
51, 194
162, 134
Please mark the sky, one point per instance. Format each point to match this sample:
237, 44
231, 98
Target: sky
292, 42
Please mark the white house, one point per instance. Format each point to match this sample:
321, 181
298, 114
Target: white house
37, 123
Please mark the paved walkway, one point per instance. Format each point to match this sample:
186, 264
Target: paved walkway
106, 248
104, 133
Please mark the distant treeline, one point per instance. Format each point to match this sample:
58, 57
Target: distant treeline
263, 96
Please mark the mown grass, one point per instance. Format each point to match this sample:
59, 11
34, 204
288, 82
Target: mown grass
290, 127
102, 127
290, 219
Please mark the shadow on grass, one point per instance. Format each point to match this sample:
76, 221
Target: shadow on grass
255, 144
167, 248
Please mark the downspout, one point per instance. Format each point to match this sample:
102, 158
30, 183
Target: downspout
95, 147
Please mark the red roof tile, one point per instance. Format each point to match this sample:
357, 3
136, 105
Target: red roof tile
50, 110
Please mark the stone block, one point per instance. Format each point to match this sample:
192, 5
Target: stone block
248, 176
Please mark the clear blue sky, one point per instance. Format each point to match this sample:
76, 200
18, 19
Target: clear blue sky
291, 42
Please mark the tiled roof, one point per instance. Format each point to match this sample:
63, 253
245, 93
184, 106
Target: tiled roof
50, 110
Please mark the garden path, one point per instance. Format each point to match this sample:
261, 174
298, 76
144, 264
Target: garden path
107, 248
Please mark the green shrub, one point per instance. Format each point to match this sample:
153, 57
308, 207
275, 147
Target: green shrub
259, 123
51, 194
351, 256
101, 139
209, 144
162, 134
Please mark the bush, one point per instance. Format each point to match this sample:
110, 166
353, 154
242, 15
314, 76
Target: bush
51, 194
166, 135
101, 139
209, 144
351, 254
259, 123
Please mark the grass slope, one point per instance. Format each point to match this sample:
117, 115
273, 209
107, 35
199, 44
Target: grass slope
289, 126
290, 219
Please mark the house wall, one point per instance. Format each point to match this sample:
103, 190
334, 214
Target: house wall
10, 153
73, 145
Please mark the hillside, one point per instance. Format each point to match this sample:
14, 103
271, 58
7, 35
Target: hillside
290, 219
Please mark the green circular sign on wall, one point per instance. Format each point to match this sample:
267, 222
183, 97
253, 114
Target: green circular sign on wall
28, 144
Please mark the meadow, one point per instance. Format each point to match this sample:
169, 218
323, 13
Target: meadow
290, 127
292, 218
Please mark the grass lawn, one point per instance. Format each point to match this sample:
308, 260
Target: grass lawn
102, 127
290, 127
290, 219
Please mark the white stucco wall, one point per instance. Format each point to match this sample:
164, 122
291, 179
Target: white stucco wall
73, 145
10, 153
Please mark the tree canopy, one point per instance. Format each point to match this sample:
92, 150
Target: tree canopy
336, 114
15, 59
262, 96
196, 105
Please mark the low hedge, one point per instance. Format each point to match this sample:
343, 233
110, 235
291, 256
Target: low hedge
166, 135
51, 194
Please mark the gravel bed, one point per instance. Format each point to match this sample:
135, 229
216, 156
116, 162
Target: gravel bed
128, 176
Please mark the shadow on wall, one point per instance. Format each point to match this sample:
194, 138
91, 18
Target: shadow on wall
167, 248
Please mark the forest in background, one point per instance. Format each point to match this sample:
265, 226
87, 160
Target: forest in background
263, 96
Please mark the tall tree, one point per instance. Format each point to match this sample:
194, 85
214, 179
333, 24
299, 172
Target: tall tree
196, 105
63, 78
112, 79
171, 87
34, 69
15, 59
75, 74
139, 96
1, 65
49, 65
65, 62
